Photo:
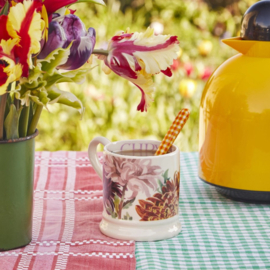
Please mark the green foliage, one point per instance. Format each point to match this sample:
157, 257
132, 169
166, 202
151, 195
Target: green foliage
127, 217
110, 101
5, 9
37, 91
166, 176
100, 2
12, 123
128, 203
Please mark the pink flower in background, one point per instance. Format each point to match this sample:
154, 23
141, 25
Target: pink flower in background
176, 64
188, 68
206, 73
138, 56
133, 174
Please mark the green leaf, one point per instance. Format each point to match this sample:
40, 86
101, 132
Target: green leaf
31, 112
129, 203
30, 85
22, 94
109, 209
127, 216
8, 102
12, 123
63, 97
5, 9
166, 176
3, 102
35, 73
100, 2
56, 58
35, 85
76, 76
35, 119
159, 189
114, 215
116, 203
39, 96
24, 121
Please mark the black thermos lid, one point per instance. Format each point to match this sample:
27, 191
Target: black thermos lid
256, 22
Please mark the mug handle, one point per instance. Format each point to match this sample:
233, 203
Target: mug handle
92, 153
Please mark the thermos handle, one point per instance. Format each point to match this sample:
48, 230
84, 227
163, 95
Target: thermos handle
92, 153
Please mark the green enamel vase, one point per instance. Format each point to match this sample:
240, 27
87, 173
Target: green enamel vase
17, 162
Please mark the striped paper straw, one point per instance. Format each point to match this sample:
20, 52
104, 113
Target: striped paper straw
173, 132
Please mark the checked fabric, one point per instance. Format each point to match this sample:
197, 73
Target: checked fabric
67, 212
217, 233
173, 132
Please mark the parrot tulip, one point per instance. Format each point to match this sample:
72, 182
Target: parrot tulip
66, 29
138, 56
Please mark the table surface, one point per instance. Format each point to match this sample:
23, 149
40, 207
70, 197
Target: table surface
217, 233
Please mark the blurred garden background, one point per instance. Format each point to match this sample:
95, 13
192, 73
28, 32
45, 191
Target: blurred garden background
110, 101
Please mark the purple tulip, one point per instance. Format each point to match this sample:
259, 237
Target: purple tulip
62, 31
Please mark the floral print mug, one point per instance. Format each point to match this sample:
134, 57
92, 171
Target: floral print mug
140, 193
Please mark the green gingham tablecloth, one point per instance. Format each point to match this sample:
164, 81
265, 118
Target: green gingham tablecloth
217, 233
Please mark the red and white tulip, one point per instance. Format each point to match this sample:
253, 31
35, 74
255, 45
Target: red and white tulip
138, 56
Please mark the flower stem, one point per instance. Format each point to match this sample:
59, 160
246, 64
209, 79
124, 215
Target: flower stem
24, 118
2, 114
100, 52
122, 202
34, 122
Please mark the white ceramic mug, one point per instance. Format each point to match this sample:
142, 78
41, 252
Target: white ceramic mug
140, 193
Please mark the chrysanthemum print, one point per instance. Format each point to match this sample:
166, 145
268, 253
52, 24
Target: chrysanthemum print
162, 204
136, 189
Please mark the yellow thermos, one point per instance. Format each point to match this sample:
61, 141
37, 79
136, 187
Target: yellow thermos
234, 141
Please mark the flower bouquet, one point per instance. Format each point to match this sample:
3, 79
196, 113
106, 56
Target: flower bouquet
42, 44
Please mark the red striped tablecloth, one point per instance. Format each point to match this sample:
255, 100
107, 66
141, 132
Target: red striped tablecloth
67, 212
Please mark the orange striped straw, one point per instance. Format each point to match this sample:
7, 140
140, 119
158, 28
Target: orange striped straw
173, 132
